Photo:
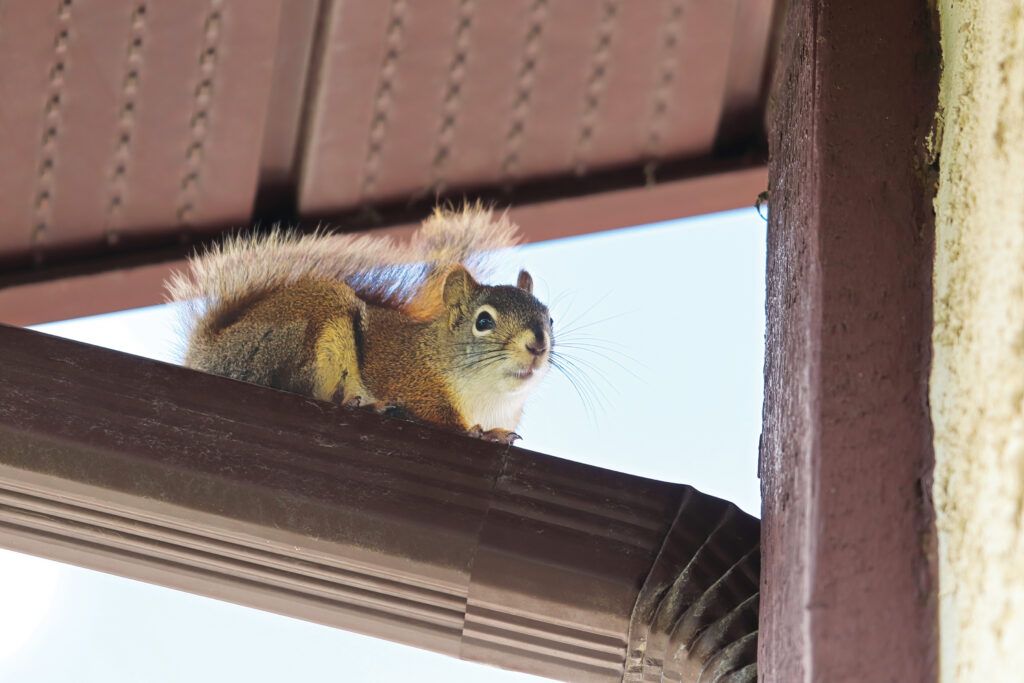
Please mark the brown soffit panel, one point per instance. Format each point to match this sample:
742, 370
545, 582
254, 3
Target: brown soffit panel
344, 91
111, 286
295, 40
128, 127
408, 102
539, 134
129, 116
385, 527
696, 41
748, 72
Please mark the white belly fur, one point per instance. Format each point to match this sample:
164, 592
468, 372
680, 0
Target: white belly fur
495, 414
492, 410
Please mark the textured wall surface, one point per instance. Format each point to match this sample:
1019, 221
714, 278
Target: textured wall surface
977, 390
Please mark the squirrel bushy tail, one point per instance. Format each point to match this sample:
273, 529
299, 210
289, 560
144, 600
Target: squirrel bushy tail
404, 276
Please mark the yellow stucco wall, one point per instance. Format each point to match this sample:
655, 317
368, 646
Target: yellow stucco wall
977, 389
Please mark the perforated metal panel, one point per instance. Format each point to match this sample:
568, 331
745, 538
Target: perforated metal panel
125, 117
129, 129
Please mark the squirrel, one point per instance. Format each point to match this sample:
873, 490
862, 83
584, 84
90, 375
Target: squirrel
368, 322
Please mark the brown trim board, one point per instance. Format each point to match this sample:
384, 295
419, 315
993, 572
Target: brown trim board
110, 285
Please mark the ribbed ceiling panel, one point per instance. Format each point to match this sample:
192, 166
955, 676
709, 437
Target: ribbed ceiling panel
128, 125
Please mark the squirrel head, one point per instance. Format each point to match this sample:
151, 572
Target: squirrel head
501, 336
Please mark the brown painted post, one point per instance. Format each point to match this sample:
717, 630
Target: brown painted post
848, 585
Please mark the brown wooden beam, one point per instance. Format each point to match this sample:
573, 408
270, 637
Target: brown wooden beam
381, 526
849, 582
57, 293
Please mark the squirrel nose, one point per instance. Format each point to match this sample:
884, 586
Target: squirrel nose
536, 347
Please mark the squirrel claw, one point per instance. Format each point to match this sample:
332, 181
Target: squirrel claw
504, 436
379, 407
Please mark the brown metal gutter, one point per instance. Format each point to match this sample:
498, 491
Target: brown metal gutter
375, 525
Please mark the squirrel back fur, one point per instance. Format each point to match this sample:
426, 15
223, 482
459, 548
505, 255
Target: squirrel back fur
403, 276
369, 321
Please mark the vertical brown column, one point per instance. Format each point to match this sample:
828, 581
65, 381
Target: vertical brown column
848, 583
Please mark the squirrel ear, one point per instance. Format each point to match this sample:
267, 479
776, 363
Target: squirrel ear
525, 282
458, 286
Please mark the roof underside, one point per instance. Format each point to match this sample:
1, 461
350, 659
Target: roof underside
132, 130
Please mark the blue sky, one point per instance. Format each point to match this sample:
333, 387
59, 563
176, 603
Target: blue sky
670, 330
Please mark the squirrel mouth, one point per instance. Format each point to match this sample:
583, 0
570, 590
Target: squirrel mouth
528, 371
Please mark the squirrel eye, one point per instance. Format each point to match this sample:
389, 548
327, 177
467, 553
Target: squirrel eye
484, 322
551, 323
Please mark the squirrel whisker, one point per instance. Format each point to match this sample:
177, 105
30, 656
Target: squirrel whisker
576, 381
606, 354
588, 374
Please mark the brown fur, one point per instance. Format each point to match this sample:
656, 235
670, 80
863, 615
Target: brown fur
354, 320
271, 339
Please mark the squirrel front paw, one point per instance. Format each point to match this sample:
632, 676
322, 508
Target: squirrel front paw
379, 407
504, 436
